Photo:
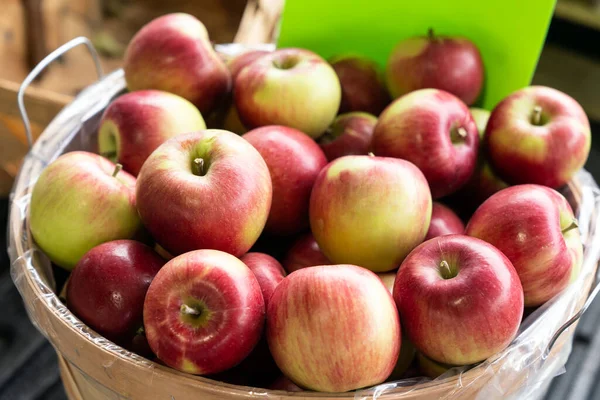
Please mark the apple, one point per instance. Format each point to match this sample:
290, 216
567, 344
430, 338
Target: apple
388, 279
430, 368
231, 121
294, 161
363, 86
107, 287
405, 359
267, 270
443, 222
333, 328
435, 131
173, 53
535, 228
136, 123
284, 383
481, 117
459, 298
538, 135
204, 312
304, 253
452, 64
349, 134
80, 201
369, 211
204, 190
291, 87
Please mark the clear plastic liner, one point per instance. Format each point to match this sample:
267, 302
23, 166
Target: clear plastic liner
522, 371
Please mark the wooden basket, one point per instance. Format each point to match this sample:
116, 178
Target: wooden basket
93, 368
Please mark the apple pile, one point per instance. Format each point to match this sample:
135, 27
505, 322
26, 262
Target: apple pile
313, 248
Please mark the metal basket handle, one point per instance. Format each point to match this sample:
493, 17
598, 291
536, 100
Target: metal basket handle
42, 65
593, 293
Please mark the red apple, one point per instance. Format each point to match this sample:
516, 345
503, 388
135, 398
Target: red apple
350, 134
80, 201
538, 135
294, 161
369, 211
363, 86
304, 253
459, 298
173, 53
535, 228
333, 328
291, 87
452, 64
443, 222
204, 312
136, 123
434, 130
205, 190
267, 270
108, 286
284, 383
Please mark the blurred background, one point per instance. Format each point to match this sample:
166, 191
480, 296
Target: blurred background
30, 29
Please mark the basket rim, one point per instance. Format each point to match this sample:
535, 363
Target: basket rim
18, 228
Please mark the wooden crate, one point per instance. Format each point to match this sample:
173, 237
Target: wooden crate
110, 24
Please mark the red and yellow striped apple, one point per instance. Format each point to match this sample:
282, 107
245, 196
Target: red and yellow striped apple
538, 135
435, 131
290, 87
136, 123
204, 312
205, 190
459, 298
369, 211
333, 328
267, 270
535, 228
304, 253
294, 161
173, 53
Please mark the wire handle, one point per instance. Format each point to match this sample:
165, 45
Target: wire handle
42, 65
573, 319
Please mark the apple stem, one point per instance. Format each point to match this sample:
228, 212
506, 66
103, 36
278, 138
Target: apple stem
118, 168
445, 267
462, 132
185, 309
370, 154
199, 166
573, 225
537, 115
430, 34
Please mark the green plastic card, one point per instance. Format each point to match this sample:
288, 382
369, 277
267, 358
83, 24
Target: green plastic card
509, 33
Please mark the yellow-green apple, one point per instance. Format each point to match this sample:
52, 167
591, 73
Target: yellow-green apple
304, 253
535, 228
452, 64
204, 312
173, 53
388, 279
291, 87
435, 131
204, 190
349, 134
538, 135
136, 123
333, 328
294, 161
485, 181
80, 201
443, 222
107, 287
268, 272
430, 368
231, 120
363, 86
465, 288
369, 211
